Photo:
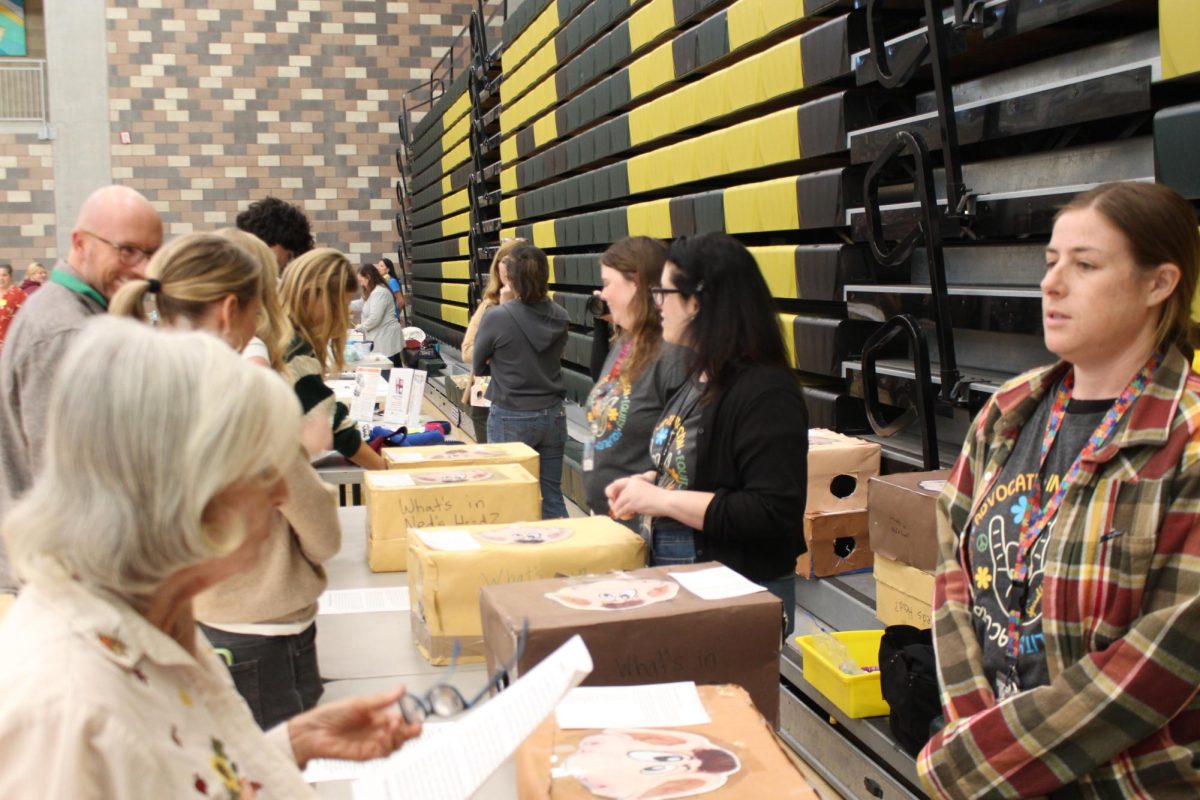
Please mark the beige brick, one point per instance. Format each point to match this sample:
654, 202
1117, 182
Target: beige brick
356, 73
139, 36
268, 161
208, 14
340, 149
178, 115
299, 16
381, 225
357, 183
299, 127
367, 105
141, 81
397, 8
179, 161
210, 82
181, 228
287, 27
173, 25
163, 58
309, 5
382, 203
243, 94
369, 171
268, 138
221, 70
122, 173
264, 5
431, 19
191, 195
358, 248
255, 38
152, 70
366, 40
268, 116
202, 183
314, 205
289, 72
220, 49
292, 183
164, 103
33, 230
175, 92
235, 172
378, 94
326, 193
314, 161
300, 61
356, 116
212, 150
215, 217
116, 13
229, 104
332, 28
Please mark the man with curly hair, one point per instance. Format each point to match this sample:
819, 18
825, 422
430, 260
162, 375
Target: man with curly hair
283, 226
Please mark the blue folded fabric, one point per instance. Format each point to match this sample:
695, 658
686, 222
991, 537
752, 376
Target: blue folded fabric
402, 438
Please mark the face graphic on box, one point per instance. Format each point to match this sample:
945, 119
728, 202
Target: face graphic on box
455, 476
525, 534
615, 594
643, 763
460, 453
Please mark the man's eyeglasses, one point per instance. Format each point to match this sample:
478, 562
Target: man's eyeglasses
444, 700
659, 293
127, 253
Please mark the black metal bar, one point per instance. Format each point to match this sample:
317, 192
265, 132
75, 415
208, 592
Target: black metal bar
943, 90
922, 411
892, 76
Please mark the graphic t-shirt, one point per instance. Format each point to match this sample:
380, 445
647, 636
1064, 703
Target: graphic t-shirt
673, 442
996, 533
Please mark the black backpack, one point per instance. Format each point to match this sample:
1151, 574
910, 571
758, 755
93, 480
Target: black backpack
908, 678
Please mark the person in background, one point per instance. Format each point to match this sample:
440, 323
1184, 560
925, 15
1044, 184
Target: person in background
315, 295
282, 226
1067, 601
170, 448
379, 325
520, 344
640, 374
490, 299
35, 276
387, 271
730, 452
116, 232
11, 299
262, 620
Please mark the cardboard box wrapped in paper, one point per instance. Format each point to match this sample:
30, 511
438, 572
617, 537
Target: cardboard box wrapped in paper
642, 627
398, 500
837, 543
903, 594
736, 755
463, 455
839, 468
447, 568
902, 517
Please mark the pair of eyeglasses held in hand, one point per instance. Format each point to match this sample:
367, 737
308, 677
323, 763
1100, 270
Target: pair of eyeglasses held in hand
445, 700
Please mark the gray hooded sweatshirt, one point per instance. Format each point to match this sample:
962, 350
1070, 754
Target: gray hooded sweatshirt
521, 345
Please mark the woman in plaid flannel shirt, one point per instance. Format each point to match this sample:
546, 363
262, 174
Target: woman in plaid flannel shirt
1067, 602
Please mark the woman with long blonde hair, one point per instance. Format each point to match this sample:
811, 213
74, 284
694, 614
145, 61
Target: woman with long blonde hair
315, 295
491, 298
273, 332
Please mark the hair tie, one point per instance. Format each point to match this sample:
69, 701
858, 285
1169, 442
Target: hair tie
153, 286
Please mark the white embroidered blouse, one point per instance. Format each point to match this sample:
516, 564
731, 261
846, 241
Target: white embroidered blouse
97, 702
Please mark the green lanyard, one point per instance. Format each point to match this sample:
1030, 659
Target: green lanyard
72, 282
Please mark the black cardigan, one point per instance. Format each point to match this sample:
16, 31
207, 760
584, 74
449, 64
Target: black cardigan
752, 451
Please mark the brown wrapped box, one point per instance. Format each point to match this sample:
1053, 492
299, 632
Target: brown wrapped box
449, 456
903, 594
642, 627
902, 517
736, 755
839, 468
837, 543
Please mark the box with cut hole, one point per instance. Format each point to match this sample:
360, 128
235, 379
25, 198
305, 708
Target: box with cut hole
837, 543
839, 469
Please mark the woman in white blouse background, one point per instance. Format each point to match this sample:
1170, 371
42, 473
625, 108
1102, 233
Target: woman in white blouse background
162, 471
379, 324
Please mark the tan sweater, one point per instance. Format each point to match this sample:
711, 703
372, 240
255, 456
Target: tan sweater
468, 342
285, 584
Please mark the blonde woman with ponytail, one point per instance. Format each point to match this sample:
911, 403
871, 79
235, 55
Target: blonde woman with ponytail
273, 332
262, 620
315, 295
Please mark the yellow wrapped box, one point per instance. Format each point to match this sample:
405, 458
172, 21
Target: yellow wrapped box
463, 455
449, 566
398, 500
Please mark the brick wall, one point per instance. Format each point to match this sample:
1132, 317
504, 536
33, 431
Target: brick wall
231, 100
27, 189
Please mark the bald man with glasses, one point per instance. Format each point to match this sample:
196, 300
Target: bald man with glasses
114, 236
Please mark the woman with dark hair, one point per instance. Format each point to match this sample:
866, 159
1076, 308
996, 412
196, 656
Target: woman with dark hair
520, 344
1067, 603
379, 324
639, 374
387, 272
730, 451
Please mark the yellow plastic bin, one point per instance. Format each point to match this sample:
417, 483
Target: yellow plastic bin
856, 695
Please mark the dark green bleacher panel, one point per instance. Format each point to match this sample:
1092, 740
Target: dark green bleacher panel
578, 383
820, 344
576, 307
446, 205
575, 270
1176, 133
443, 270
530, 24
779, 139
815, 271
434, 326
445, 312
443, 146
799, 65
696, 50
456, 164
460, 223
455, 248
438, 290
579, 349
444, 112
832, 407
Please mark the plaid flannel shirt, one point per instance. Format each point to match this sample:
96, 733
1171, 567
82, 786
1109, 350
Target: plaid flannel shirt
1120, 716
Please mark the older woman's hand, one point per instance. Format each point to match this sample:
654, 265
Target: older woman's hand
357, 729
637, 494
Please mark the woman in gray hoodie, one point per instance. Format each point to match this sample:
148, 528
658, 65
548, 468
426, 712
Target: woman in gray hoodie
520, 344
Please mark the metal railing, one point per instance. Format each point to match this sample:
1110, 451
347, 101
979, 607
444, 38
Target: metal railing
23, 90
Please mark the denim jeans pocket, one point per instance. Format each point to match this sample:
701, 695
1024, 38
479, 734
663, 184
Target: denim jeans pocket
245, 679
672, 544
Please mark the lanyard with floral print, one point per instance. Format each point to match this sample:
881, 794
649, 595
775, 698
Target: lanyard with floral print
1038, 516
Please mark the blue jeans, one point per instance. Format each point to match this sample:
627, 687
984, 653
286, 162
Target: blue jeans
545, 430
277, 676
672, 544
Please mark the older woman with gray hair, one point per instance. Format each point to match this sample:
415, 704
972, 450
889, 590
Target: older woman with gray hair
162, 474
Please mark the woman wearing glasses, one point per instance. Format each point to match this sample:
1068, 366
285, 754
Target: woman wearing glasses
730, 451
109, 689
639, 375
1067, 603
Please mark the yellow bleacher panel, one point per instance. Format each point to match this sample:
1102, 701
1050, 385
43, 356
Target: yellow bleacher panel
649, 22
541, 234
456, 134
778, 266
455, 202
508, 179
456, 314
456, 156
508, 150
650, 219
454, 292
1178, 23
750, 20
456, 270
754, 80
652, 70
447, 185
508, 208
457, 224
457, 109
509, 233
766, 206
540, 97
787, 328
464, 247
545, 129
543, 61
542, 27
